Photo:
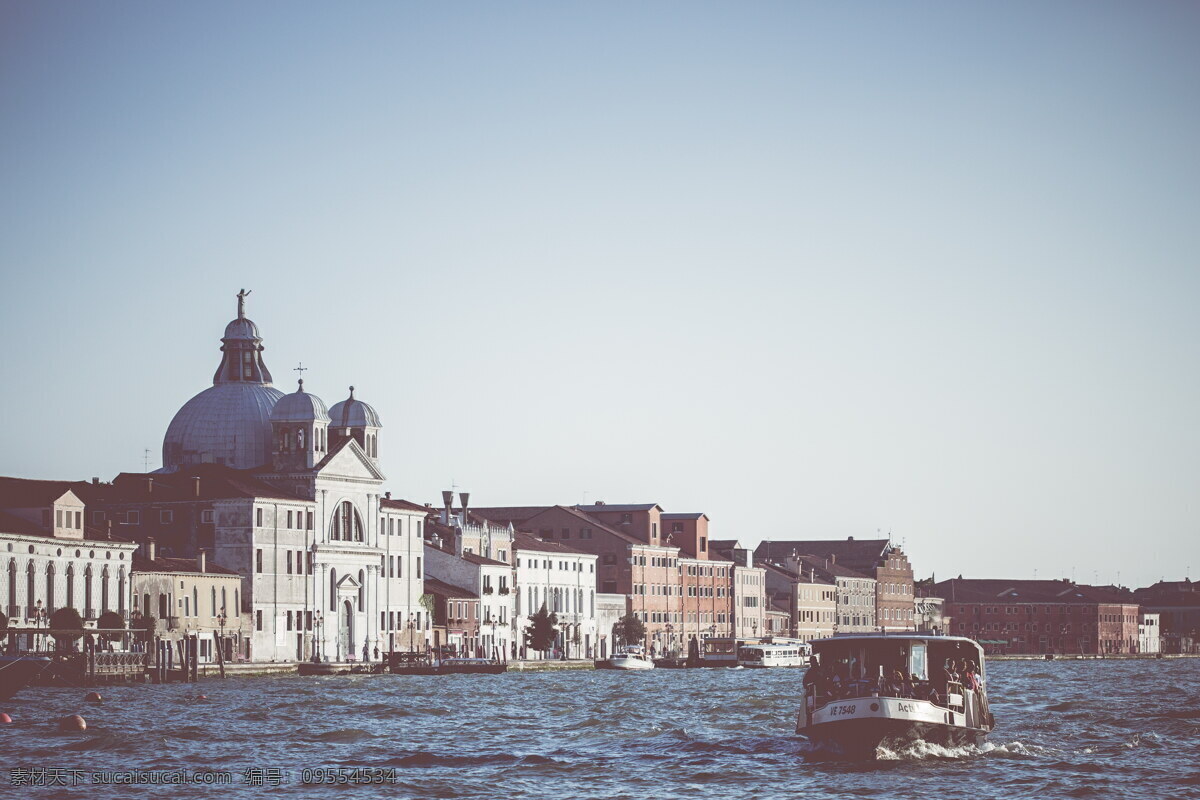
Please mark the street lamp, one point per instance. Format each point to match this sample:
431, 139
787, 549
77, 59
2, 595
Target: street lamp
39, 615
319, 647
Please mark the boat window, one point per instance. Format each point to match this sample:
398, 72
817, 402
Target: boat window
916, 661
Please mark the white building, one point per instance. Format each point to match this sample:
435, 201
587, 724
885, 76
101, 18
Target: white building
609, 610
1149, 633
52, 560
563, 580
331, 568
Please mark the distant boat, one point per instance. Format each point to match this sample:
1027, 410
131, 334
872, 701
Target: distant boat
17, 672
631, 658
853, 704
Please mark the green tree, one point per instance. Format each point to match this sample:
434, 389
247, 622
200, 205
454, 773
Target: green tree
629, 630
542, 630
147, 625
67, 625
110, 620
3, 627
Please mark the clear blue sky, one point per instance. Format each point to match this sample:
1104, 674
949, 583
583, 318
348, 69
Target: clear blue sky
815, 269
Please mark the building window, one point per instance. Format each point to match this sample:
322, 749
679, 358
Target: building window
289, 520
206, 516
258, 563
258, 521
166, 517
133, 517
258, 620
309, 523
289, 566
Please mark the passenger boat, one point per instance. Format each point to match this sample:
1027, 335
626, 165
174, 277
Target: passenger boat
773, 654
854, 700
414, 663
18, 671
632, 658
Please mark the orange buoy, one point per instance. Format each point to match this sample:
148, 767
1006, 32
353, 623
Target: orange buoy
72, 723
5, 718
93, 697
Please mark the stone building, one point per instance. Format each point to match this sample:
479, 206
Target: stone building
563, 580
191, 597
810, 599
878, 559
53, 559
288, 494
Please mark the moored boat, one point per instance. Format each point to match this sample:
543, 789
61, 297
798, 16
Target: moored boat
631, 658
18, 671
867, 690
773, 654
465, 666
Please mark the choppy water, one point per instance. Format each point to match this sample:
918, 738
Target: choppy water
1112, 729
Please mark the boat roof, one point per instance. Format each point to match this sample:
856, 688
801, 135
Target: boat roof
891, 637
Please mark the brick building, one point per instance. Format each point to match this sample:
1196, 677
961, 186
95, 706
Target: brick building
878, 559
1040, 616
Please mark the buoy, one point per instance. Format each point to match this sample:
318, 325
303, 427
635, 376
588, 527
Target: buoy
201, 697
5, 718
93, 697
72, 723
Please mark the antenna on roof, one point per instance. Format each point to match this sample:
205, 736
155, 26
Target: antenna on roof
146, 460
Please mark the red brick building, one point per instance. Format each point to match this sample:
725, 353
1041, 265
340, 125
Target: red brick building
1040, 616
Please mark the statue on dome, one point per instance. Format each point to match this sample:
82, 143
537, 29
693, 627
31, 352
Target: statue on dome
241, 296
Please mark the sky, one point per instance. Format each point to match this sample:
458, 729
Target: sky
925, 269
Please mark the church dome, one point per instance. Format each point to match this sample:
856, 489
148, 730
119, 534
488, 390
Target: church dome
230, 422
300, 406
352, 413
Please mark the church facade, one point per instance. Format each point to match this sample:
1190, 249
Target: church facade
289, 494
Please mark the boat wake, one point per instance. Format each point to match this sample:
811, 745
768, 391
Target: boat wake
920, 750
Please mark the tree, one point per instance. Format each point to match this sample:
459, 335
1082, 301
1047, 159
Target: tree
542, 630
3, 627
113, 621
67, 625
146, 624
629, 630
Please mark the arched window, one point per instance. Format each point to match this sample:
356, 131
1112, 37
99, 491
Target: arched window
362, 588
104, 589
223, 607
12, 587
195, 602
347, 524
237, 608
333, 590
70, 586
214, 601
29, 589
87, 592
50, 588
121, 590
299, 438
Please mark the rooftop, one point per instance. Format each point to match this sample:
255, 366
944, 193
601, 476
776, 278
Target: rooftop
1001, 590
434, 586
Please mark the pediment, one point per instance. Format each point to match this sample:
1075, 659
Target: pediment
348, 583
349, 461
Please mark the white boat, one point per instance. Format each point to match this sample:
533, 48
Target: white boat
631, 658
854, 699
774, 654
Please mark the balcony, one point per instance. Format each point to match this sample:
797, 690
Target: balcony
504, 590
487, 590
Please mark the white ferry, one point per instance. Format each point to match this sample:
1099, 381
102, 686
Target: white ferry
864, 690
774, 654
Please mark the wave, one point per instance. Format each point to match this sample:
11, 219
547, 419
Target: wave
425, 759
343, 735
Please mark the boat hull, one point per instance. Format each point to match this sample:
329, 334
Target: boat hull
861, 738
17, 672
630, 664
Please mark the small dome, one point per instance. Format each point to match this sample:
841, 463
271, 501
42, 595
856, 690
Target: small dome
351, 413
242, 328
299, 406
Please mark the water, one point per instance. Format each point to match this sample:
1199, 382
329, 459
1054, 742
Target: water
1111, 729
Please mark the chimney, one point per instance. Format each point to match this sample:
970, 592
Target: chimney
196, 488
150, 549
149, 485
95, 481
833, 558
458, 542
108, 530
464, 497
202, 560
447, 503
387, 495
